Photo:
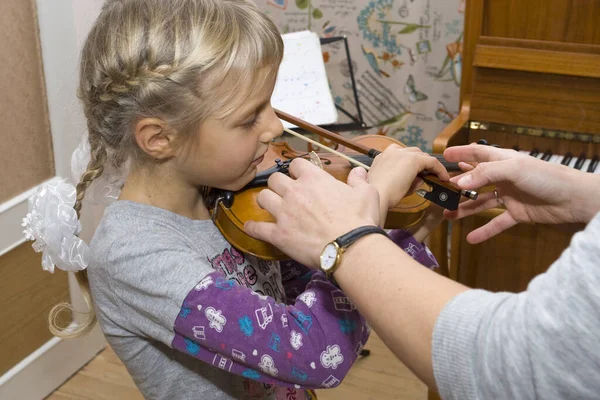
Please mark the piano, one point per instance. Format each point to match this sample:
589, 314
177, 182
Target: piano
530, 82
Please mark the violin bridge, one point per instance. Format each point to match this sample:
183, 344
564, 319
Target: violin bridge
315, 159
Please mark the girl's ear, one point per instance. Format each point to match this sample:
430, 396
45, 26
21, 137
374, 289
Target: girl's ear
155, 138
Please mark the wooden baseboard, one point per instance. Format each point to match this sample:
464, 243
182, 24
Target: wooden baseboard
50, 366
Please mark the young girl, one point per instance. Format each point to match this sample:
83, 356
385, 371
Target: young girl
180, 90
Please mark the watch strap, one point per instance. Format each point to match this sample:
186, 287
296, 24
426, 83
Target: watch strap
348, 238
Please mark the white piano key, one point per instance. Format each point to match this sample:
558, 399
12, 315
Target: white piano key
573, 162
586, 164
556, 159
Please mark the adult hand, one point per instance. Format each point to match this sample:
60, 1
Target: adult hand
313, 209
394, 174
531, 190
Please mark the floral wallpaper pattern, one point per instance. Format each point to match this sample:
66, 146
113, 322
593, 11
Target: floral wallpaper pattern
406, 57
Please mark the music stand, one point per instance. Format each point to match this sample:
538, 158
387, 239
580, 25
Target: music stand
357, 121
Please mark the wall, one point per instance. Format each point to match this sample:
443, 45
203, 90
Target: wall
26, 147
406, 53
43, 126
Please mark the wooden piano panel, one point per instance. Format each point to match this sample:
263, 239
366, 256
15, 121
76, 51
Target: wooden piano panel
550, 101
574, 21
489, 265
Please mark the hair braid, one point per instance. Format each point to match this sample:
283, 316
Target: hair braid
95, 168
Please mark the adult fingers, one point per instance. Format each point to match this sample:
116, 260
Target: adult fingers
357, 177
279, 183
465, 167
266, 231
484, 201
490, 172
497, 225
300, 167
477, 153
270, 201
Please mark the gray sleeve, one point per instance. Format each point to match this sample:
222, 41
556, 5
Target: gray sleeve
542, 343
148, 276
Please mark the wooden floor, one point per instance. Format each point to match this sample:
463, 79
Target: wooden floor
380, 376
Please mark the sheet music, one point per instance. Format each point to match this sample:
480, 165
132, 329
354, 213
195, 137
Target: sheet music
302, 88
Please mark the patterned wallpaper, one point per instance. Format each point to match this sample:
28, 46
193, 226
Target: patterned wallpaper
406, 57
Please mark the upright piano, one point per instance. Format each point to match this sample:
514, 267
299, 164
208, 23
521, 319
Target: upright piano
530, 82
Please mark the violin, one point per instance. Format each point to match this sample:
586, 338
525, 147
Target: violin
231, 210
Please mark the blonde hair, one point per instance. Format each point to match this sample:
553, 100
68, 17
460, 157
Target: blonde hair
168, 60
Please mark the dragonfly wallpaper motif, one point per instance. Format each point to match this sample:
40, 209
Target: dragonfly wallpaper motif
406, 58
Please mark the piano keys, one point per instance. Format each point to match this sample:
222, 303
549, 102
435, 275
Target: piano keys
583, 162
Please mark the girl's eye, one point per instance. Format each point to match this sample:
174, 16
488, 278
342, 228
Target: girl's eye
250, 124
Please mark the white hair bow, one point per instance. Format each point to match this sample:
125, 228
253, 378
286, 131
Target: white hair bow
53, 225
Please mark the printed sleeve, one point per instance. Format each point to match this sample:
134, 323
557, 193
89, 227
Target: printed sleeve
295, 277
418, 251
310, 344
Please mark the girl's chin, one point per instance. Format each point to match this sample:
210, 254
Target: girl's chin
241, 182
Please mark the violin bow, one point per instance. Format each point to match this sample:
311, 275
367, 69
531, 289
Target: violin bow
444, 194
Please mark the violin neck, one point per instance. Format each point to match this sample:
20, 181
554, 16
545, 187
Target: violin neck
450, 166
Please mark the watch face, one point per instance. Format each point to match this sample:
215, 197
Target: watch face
329, 256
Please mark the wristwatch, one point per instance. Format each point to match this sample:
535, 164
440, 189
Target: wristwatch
332, 252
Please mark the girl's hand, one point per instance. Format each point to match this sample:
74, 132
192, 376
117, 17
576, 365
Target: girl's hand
394, 174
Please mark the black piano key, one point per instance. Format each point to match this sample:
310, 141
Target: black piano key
567, 159
593, 164
482, 141
534, 153
580, 161
516, 148
547, 155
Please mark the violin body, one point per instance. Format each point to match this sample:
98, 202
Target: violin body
230, 216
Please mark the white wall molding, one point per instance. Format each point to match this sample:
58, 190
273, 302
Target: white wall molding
44, 370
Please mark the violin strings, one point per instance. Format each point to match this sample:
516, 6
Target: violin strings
322, 146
